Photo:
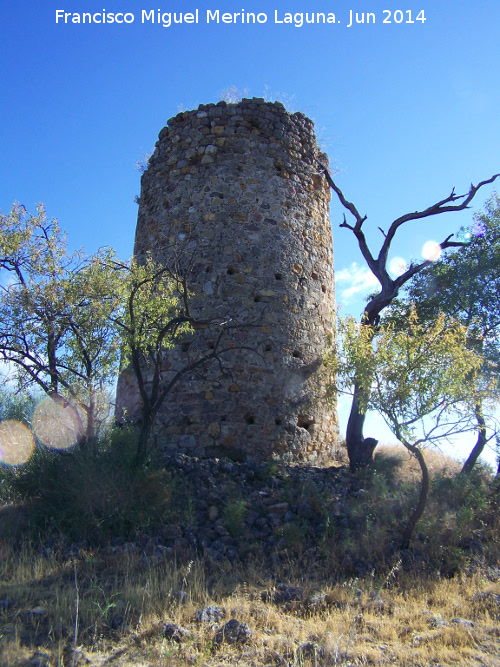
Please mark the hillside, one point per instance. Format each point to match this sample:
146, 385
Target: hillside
306, 559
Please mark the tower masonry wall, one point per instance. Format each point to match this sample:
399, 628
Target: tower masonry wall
234, 192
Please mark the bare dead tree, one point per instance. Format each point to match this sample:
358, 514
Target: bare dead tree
360, 449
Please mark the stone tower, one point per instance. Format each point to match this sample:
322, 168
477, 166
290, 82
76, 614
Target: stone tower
237, 190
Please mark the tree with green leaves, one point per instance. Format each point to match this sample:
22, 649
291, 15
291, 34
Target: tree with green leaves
359, 448
155, 318
56, 309
466, 285
419, 378
69, 321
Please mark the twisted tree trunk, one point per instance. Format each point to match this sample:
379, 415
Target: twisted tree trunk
422, 500
480, 444
359, 449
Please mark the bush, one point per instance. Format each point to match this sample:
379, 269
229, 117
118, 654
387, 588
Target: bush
89, 496
234, 516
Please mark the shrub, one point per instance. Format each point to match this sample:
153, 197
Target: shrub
234, 515
90, 496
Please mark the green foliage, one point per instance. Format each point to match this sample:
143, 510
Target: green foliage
267, 470
360, 449
93, 496
408, 373
465, 494
152, 319
155, 318
234, 516
466, 286
68, 320
418, 375
19, 406
105, 604
56, 311
295, 535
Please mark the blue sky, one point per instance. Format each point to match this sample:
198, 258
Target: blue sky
405, 111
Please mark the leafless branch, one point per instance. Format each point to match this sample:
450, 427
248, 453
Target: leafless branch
378, 265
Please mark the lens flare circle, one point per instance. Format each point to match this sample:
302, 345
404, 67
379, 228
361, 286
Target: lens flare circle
16, 443
397, 266
431, 251
464, 236
56, 424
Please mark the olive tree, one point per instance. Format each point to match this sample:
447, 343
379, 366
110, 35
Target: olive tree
466, 286
418, 377
56, 311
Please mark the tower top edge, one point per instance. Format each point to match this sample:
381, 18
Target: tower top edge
248, 105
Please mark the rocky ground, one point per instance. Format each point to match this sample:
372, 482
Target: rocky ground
257, 564
226, 510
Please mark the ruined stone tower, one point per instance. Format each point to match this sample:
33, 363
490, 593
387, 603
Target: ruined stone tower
237, 190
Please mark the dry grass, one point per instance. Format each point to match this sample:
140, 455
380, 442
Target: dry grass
408, 469
122, 606
100, 607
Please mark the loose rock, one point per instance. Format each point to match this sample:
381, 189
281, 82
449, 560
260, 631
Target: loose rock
174, 632
233, 632
211, 614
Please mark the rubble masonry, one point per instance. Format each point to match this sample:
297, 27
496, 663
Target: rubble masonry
236, 189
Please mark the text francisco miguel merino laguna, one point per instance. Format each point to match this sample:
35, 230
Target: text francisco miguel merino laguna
167, 19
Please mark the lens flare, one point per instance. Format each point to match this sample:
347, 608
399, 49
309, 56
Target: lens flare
464, 236
56, 424
16, 443
431, 251
397, 266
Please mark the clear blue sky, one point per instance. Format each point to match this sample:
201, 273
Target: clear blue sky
405, 111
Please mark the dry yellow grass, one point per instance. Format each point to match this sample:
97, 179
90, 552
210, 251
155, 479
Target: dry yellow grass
122, 606
409, 469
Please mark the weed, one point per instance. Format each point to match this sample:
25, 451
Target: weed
295, 535
269, 469
234, 515
86, 497
105, 605
121, 594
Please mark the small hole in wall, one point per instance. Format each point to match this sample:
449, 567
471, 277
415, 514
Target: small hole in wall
303, 421
257, 298
223, 418
268, 348
250, 419
278, 276
296, 354
211, 345
208, 269
230, 270
277, 422
314, 276
185, 347
323, 288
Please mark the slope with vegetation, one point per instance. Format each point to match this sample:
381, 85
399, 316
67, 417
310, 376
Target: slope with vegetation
100, 558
